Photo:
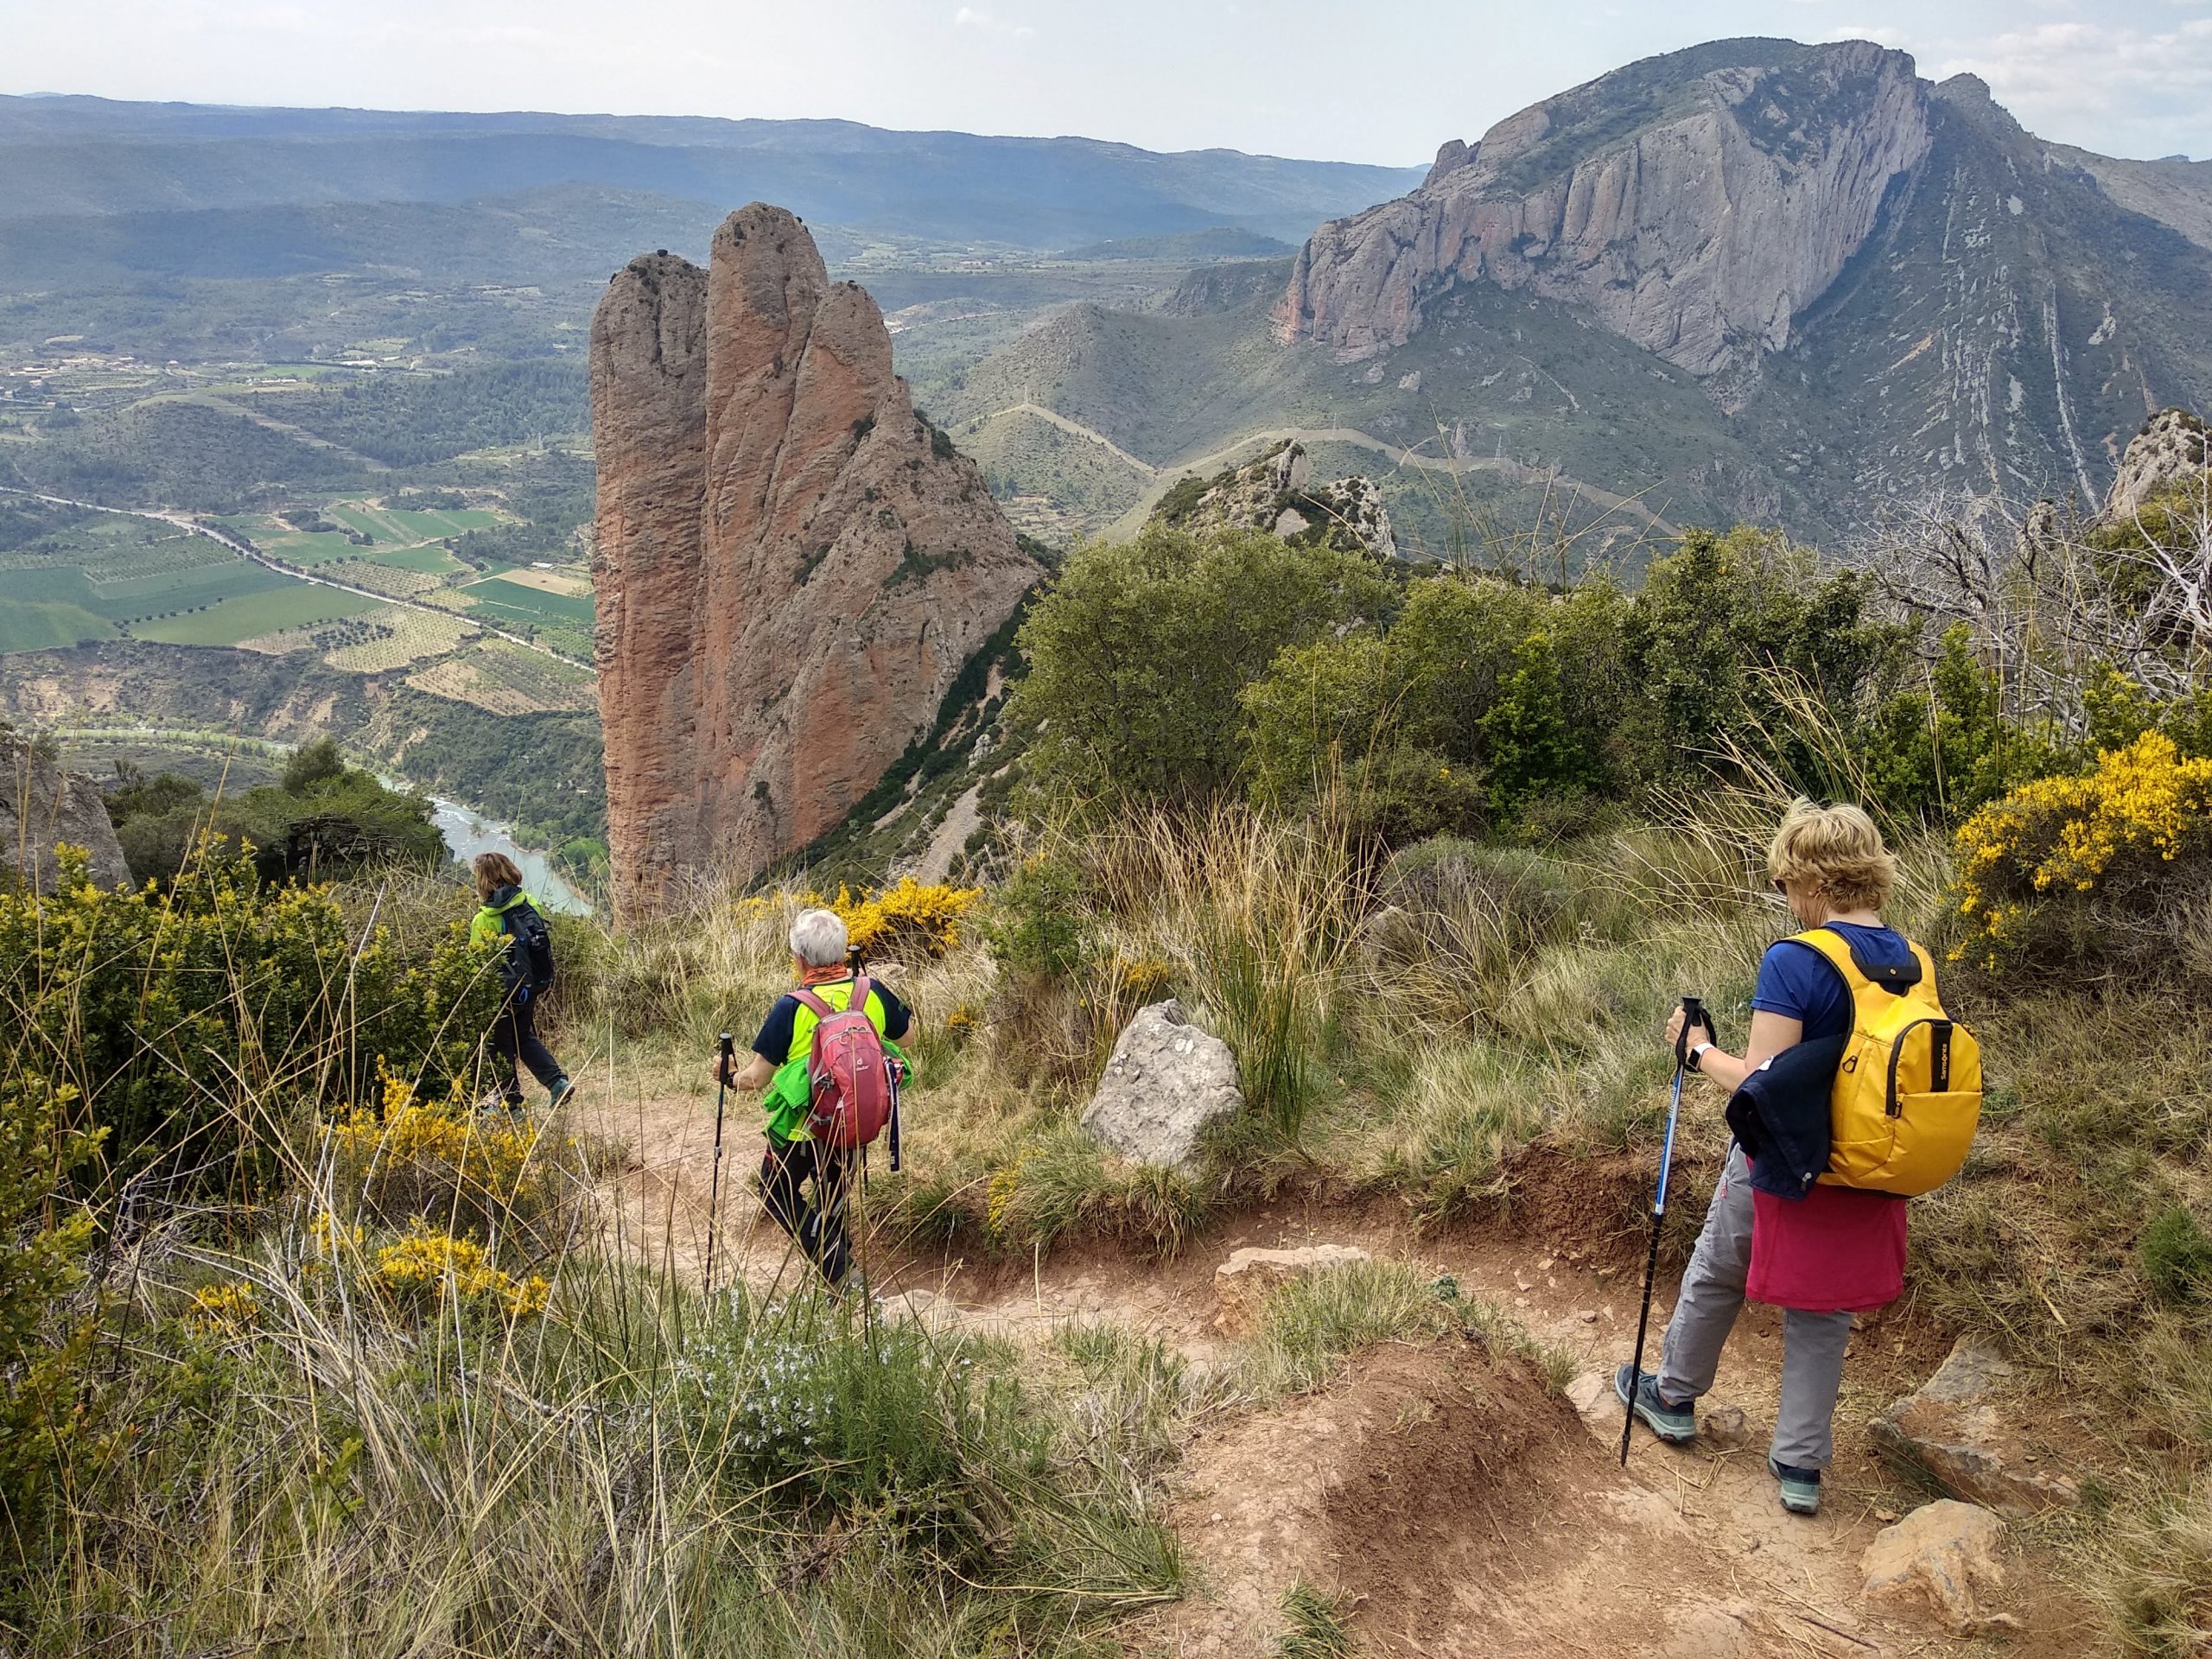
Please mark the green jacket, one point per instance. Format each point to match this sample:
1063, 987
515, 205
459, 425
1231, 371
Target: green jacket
788, 1096
488, 925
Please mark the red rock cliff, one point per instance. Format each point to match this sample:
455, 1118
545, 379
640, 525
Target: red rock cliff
792, 566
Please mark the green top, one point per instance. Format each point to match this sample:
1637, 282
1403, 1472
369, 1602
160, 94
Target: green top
488, 925
788, 1096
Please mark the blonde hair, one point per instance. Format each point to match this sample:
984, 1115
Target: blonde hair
493, 871
1838, 852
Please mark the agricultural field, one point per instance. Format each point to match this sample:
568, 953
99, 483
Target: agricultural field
515, 595
232, 621
408, 527
503, 678
69, 574
375, 641
380, 578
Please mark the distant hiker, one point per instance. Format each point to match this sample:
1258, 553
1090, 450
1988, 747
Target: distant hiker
1821, 1252
813, 1135
525, 969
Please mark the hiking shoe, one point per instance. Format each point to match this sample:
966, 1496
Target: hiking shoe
1801, 1488
562, 1090
1675, 1424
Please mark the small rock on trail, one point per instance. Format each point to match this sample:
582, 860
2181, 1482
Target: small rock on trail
1954, 1426
1941, 1561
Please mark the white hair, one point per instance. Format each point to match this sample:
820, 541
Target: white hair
818, 937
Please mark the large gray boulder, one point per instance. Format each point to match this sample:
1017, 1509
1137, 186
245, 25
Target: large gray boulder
1166, 1081
41, 804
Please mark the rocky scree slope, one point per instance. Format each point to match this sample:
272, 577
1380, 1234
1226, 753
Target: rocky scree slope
792, 566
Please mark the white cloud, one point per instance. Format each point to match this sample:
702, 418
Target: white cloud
984, 23
1880, 33
2139, 90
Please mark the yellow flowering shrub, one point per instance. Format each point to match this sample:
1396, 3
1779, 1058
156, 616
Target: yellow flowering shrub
225, 1310
426, 1265
2110, 848
912, 918
909, 919
408, 1156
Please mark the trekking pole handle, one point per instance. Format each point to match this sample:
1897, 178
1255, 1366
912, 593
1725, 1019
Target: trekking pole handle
1693, 1018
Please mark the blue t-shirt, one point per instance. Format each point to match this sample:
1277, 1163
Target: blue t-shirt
1798, 983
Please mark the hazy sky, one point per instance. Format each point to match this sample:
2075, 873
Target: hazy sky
1382, 81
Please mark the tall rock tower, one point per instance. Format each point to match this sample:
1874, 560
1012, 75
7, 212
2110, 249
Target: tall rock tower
792, 566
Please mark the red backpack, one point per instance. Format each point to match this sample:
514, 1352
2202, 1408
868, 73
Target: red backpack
855, 1083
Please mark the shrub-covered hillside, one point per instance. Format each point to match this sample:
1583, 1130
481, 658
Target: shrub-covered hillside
304, 1351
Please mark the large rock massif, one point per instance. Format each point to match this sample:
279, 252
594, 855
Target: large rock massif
1729, 200
792, 566
42, 806
1753, 280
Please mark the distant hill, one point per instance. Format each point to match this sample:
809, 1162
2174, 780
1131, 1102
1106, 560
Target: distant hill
1751, 280
1220, 242
79, 157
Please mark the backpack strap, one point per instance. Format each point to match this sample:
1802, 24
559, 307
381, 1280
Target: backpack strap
1897, 978
808, 998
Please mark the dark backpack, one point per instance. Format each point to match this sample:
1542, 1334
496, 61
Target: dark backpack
528, 965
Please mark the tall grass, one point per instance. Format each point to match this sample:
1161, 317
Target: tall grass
1257, 915
412, 1402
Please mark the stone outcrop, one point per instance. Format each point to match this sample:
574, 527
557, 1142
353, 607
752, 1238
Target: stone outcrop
1696, 203
792, 566
1242, 1283
43, 805
1166, 1082
1275, 491
2172, 448
1955, 1427
1940, 1562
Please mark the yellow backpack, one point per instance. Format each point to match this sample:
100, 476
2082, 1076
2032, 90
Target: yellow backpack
1908, 1089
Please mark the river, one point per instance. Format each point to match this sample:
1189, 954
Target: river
468, 832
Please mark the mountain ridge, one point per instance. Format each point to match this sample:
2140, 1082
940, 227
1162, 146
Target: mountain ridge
72, 157
1986, 312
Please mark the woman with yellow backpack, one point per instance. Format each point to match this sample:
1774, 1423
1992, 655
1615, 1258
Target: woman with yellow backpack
1855, 1090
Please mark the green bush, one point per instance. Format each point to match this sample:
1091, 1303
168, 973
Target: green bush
1137, 651
322, 820
2177, 1255
191, 1024
43, 1342
1037, 926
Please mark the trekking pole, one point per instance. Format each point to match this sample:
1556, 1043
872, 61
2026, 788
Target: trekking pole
1693, 1020
715, 1184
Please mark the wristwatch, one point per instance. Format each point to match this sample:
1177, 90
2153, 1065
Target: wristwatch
1695, 1059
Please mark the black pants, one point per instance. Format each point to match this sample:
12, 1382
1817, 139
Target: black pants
514, 1038
815, 1221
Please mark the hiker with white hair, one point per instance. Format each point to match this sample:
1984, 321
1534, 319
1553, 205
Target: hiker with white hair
811, 1145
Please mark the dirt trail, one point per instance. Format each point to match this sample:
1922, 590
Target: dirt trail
1439, 1490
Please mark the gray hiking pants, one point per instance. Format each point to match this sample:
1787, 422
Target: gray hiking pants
1712, 1295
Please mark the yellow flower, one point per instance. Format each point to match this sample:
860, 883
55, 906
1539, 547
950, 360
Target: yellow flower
435, 1264
226, 1309
2142, 805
